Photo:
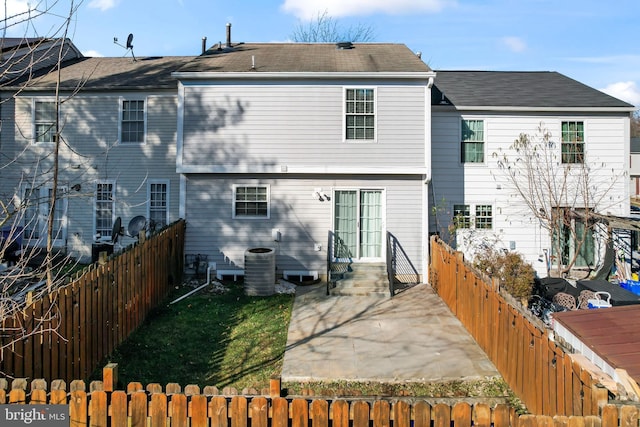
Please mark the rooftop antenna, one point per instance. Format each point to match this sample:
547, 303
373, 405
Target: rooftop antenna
129, 45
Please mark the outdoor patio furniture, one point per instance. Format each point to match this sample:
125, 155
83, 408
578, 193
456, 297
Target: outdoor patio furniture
600, 300
619, 296
565, 300
583, 299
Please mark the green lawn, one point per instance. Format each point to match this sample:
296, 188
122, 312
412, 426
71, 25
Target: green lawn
227, 339
232, 340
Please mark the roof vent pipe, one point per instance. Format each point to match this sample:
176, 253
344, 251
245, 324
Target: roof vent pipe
204, 45
228, 34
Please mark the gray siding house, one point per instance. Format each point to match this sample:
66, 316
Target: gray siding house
315, 150
117, 120
476, 117
320, 152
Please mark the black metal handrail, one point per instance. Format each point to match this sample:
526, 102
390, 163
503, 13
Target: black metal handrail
391, 274
329, 259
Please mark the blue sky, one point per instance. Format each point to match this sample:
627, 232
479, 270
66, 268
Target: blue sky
595, 42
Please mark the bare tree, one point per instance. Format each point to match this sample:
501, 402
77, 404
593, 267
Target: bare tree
561, 190
326, 29
36, 270
635, 124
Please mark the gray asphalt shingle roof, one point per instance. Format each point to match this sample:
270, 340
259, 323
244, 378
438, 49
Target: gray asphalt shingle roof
115, 73
537, 89
308, 57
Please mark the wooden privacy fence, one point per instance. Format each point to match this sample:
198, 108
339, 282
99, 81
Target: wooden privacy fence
71, 330
538, 370
153, 407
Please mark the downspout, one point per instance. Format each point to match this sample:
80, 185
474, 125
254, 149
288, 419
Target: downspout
426, 182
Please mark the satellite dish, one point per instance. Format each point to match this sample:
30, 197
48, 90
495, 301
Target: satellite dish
136, 225
129, 45
115, 232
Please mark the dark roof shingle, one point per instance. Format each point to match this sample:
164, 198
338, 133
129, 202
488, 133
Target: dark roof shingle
537, 89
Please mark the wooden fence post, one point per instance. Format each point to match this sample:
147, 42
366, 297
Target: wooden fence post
274, 387
110, 376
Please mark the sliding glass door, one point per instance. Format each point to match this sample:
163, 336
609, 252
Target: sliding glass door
358, 224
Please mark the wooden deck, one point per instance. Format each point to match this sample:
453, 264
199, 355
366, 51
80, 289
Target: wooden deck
609, 337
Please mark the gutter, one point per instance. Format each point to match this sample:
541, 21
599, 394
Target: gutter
534, 109
208, 75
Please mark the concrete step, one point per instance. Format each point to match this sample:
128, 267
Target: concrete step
361, 279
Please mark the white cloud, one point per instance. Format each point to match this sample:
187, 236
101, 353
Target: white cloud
514, 44
16, 16
626, 91
92, 53
14, 8
309, 9
103, 4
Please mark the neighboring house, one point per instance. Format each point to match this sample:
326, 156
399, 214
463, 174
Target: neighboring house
476, 116
117, 122
283, 145
319, 151
20, 57
634, 171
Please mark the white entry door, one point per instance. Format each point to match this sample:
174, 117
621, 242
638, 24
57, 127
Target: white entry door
358, 225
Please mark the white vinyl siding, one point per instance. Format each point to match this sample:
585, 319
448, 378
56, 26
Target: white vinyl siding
302, 219
513, 225
90, 126
273, 129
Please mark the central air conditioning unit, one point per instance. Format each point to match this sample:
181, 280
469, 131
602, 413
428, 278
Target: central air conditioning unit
260, 271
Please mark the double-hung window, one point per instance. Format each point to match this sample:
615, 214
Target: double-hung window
158, 196
484, 217
132, 121
360, 114
461, 216
251, 201
44, 121
35, 220
472, 149
573, 142
104, 209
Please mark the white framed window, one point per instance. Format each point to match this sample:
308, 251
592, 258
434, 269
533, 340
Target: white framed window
481, 220
35, 220
133, 123
572, 142
461, 216
158, 205
472, 147
360, 114
251, 201
104, 209
574, 237
484, 217
44, 121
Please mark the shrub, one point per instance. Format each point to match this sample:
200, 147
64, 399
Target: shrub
512, 271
